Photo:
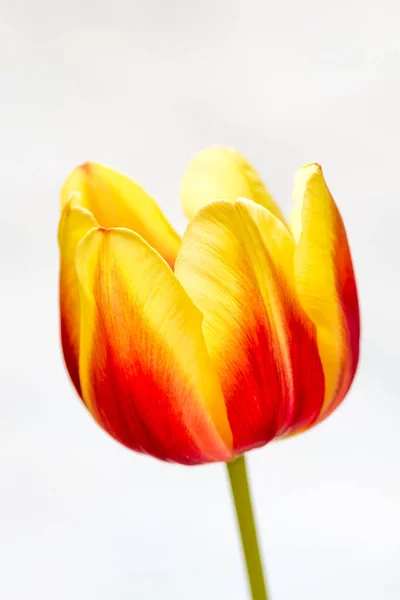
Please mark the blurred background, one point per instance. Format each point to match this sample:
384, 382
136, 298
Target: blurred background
142, 86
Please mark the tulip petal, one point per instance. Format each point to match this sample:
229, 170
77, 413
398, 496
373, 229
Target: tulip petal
325, 281
222, 173
74, 224
145, 371
263, 344
117, 201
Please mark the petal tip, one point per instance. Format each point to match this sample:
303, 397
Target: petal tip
303, 179
310, 169
86, 167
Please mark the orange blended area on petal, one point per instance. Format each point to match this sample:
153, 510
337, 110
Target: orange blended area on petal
145, 371
115, 200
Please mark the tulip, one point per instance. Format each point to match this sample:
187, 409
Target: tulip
196, 350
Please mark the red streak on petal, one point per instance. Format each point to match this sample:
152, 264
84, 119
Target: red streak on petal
271, 396
139, 396
68, 346
348, 298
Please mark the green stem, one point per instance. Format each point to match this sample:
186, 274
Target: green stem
245, 517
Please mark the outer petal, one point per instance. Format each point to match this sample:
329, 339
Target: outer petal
222, 173
117, 201
145, 371
74, 224
325, 281
262, 342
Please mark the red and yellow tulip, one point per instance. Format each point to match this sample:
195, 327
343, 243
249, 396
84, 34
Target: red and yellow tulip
198, 349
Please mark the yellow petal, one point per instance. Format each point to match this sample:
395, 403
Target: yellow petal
74, 224
145, 371
222, 173
276, 237
325, 281
263, 344
117, 201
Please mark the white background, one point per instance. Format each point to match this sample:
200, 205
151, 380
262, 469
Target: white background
142, 86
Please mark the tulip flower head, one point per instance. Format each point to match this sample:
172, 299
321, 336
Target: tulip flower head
199, 349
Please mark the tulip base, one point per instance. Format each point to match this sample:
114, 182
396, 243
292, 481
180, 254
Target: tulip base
244, 512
